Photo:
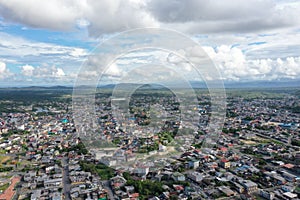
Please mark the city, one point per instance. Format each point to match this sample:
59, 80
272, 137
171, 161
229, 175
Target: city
149, 100
256, 156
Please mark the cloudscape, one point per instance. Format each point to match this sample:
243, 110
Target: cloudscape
45, 43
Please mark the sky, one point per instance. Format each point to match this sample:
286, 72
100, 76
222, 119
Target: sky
47, 42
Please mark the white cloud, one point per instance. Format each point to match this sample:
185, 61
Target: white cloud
48, 72
18, 47
59, 73
277, 57
51, 14
82, 23
195, 16
290, 67
234, 65
28, 54
200, 16
27, 70
2, 67
230, 61
113, 70
104, 16
4, 72
43, 71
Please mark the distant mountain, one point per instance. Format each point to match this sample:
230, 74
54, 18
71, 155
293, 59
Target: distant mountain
39, 88
194, 84
263, 84
109, 86
58, 87
130, 85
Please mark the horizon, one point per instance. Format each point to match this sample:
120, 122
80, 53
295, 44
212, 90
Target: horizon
197, 85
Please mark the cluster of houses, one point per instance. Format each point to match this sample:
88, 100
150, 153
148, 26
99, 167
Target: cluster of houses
38, 144
256, 154
84, 185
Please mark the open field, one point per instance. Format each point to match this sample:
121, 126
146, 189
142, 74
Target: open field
4, 159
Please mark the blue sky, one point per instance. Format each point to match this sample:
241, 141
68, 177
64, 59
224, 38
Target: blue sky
45, 43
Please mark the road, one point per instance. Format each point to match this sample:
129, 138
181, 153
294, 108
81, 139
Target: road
108, 188
66, 181
268, 137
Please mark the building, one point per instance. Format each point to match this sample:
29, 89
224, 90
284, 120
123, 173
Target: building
141, 171
238, 187
196, 176
289, 177
249, 186
193, 164
178, 176
289, 195
267, 195
227, 191
53, 182
288, 188
225, 163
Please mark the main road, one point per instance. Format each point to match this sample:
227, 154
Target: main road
66, 180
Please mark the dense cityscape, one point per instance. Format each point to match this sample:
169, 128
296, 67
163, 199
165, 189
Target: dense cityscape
257, 154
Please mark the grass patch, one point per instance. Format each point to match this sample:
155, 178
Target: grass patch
4, 159
4, 187
102, 170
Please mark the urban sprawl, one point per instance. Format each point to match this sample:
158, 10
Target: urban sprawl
44, 156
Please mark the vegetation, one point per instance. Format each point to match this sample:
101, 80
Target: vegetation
4, 159
102, 170
149, 148
296, 143
6, 169
4, 187
144, 188
294, 109
198, 145
79, 148
28, 99
230, 130
297, 189
116, 141
165, 136
248, 118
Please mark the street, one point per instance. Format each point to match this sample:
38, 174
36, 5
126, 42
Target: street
66, 181
107, 187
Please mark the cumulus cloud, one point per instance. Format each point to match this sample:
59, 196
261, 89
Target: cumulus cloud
104, 16
277, 57
4, 72
113, 70
59, 73
51, 14
234, 65
49, 72
108, 16
2, 67
289, 67
43, 72
230, 61
224, 16
27, 70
